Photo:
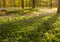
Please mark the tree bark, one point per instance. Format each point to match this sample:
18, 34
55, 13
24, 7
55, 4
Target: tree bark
22, 3
58, 11
4, 3
19, 3
40, 2
50, 3
33, 2
0, 3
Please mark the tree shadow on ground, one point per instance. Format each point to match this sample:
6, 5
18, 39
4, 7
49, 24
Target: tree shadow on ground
10, 29
6, 29
48, 25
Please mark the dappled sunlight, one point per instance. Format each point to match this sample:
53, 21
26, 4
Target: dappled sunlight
44, 25
29, 21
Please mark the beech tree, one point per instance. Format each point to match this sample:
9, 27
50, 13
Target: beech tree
58, 11
14, 3
40, 2
50, 3
18, 3
33, 2
4, 3
10, 3
0, 3
22, 3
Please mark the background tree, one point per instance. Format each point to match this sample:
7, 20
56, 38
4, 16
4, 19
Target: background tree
18, 3
0, 3
14, 3
4, 3
50, 3
40, 2
22, 3
33, 2
11, 3
58, 11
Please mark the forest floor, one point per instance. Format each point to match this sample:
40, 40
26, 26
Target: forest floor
45, 11
43, 26
39, 11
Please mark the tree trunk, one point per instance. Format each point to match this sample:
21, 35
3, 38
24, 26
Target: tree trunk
14, 5
22, 3
4, 3
40, 2
19, 3
0, 3
33, 2
58, 11
11, 3
50, 3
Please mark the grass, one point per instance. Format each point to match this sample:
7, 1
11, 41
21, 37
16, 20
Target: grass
17, 11
30, 29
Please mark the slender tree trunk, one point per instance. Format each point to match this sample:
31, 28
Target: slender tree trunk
11, 3
0, 3
4, 3
33, 2
58, 11
26, 2
22, 3
19, 3
56, 2
37, 3
14, 5
50, 3
40, 2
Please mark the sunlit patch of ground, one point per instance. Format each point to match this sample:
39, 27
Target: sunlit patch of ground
44, 11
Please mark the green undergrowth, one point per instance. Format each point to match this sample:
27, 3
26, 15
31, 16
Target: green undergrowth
22, 11
17, 11
31, 29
